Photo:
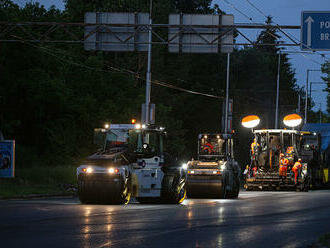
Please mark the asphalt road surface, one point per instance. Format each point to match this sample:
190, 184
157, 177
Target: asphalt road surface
256, 219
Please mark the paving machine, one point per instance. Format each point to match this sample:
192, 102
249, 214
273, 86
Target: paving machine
131, 163
215, 173
293, 144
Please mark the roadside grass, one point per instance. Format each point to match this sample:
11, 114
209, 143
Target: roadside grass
38, 180
324, 240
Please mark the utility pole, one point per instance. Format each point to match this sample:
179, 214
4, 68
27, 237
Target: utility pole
148, 77
320, 113
306, 96
227, 93
277, 89
298, 110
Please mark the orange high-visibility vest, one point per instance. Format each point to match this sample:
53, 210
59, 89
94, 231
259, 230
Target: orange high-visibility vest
284, 164
253, 146
297, 166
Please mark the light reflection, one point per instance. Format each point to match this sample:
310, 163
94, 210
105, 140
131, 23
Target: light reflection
220, 241
88, 211
220, 215
190, 215
86, 228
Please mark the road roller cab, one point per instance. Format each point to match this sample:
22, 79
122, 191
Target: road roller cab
215, 173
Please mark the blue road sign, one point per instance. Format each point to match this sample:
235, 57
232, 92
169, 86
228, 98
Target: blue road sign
315, 30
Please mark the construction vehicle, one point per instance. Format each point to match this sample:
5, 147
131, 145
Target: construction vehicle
293, 144
215, 173
324, 130
132, 163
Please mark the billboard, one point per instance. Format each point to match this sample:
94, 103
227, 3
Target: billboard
193, 33
125, 34
7, 158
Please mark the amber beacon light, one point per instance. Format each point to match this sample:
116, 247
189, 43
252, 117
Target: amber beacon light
292, 120
250, 121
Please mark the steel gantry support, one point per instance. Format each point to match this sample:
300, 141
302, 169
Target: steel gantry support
56, 32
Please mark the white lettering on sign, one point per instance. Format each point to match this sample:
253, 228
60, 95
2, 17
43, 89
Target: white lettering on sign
325, 24
325, 36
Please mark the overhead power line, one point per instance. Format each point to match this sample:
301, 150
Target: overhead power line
121, 70
290, 36
278, 26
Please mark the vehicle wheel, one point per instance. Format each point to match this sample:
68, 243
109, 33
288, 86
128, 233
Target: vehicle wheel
125, 195
235, 192
173, 189
223, 192
95, 192
83, 193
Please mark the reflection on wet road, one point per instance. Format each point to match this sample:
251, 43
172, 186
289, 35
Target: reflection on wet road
256, 219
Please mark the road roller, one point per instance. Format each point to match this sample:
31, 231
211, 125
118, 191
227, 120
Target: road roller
131, 163
215, 174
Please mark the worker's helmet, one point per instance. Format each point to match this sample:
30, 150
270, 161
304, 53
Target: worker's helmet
299, 159
281, 155
247, 167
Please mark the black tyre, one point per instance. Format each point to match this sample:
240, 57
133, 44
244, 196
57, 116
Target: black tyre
173, 189
223, 190
83, 193
235, 191
96, 192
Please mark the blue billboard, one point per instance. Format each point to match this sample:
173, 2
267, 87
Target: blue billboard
315, 30
7, 158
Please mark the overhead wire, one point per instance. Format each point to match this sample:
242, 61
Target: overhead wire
121, 70
251, 20
286, 33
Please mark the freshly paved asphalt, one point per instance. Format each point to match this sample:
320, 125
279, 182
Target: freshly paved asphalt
256, 219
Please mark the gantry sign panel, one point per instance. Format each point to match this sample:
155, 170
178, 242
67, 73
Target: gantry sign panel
132, 37
196, 33
186, 33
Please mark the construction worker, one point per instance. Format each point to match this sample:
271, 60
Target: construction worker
290, 155
297, 170
254, 147
254, 153
255, 170
283, 166
246, 173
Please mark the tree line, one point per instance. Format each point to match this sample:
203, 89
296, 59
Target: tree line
52, 96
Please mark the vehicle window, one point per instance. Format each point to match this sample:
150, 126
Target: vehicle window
212, 145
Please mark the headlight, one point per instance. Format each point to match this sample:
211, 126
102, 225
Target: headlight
113, 170
184, 166
223, 167
191, 172
89, 170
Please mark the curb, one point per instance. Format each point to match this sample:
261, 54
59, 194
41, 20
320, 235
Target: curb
32, 196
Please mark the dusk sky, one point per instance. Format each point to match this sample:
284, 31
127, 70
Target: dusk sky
284, 12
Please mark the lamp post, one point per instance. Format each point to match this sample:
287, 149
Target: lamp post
148, 78
306, 100
277, 89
